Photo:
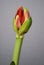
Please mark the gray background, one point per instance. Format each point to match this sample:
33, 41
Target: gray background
32, 52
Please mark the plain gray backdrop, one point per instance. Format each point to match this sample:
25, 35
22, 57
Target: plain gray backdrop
32, 52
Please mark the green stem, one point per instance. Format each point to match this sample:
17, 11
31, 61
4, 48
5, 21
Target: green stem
17, 49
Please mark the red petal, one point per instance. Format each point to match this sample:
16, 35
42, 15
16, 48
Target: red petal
20, 12
18, 24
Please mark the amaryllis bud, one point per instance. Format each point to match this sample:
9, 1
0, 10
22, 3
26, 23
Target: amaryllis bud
22, 21
21, 24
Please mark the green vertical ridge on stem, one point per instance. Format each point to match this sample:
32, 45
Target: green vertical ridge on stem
17, 50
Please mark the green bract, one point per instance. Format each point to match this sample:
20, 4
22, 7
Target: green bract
25, 27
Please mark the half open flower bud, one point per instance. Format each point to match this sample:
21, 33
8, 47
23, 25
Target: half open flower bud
22, 21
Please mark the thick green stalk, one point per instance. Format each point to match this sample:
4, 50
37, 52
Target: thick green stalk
17, 49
